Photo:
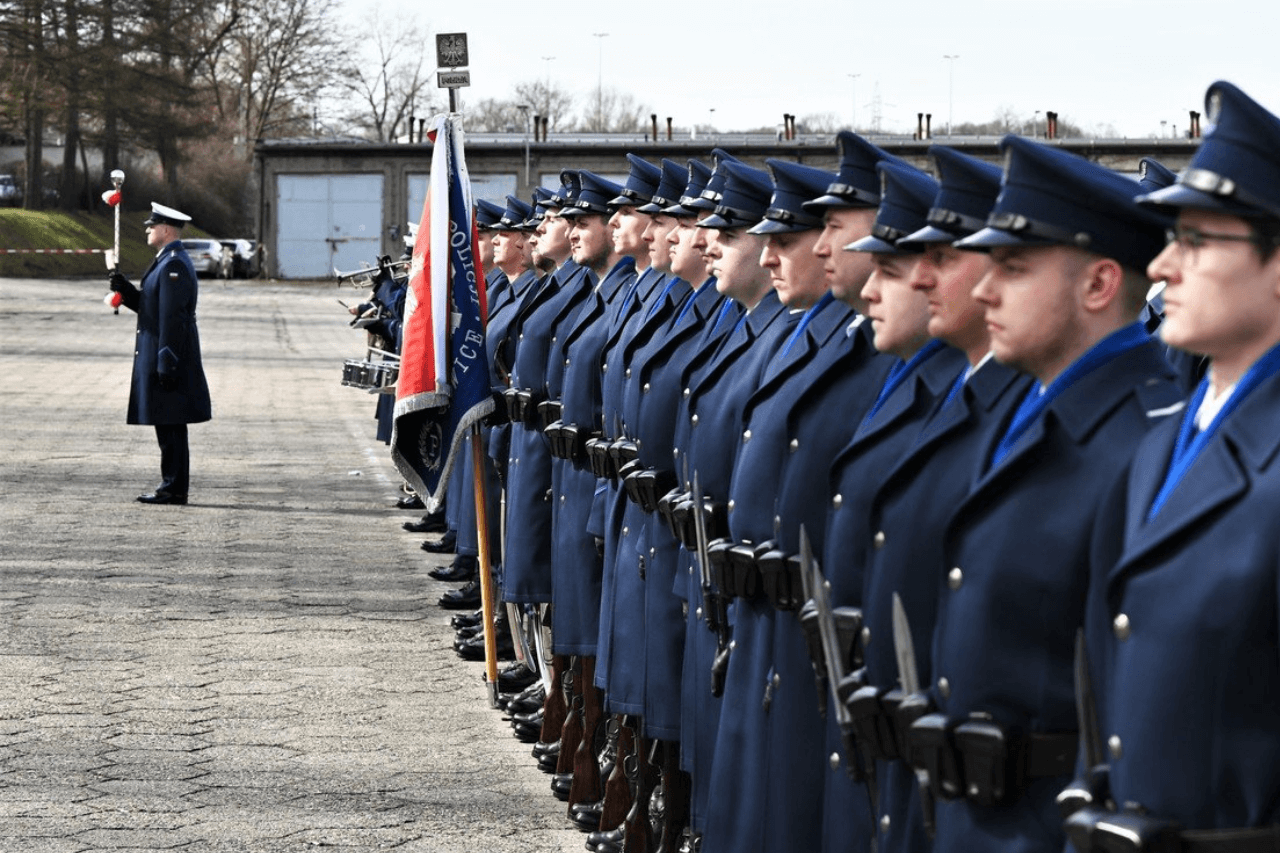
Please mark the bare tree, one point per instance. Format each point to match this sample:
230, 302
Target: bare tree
497, 115
390, 82
548, 100
828, 122
612, 111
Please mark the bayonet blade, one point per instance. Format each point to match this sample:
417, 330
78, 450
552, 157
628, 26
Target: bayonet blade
821, 595
904, 648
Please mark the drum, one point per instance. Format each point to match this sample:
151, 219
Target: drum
376, 374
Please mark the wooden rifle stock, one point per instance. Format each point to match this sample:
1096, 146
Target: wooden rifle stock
676, 791
571, 725
554, 709
637, 836
617, 789
586, 762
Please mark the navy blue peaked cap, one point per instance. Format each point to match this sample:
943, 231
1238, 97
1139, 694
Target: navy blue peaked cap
906, 195
1154, 175
516, 215
1053, 197
793, 185
1236, 169
744, 199
856, 184
696, 177
487, 214
672, 183
541, 201
593, 196
967, 190
641, 183
710, 196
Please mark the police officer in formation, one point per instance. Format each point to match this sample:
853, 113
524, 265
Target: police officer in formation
1047, 582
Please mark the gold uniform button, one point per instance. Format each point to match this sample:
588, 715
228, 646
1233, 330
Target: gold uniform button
878, 539
944, 688
955, 578
1121, 626
1115, 747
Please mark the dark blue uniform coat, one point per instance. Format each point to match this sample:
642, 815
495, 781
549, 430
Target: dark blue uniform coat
1016, 553
167, 342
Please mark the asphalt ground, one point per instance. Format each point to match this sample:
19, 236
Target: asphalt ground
262, 670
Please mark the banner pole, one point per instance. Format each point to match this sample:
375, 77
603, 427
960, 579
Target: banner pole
486, 576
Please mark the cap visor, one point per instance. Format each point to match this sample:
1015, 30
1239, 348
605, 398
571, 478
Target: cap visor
773, 226
875, 246
1176, 196
991, 238
931, 234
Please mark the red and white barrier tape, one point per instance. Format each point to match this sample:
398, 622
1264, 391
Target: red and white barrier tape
51, 251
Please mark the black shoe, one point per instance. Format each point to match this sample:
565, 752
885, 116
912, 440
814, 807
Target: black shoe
541, 748
608, 841
461, 569
159, 496
447, 545
410, 502
586, 816
473, 648
516, 678
527, 733
561, 783
526, 701
549, 757
463, 620
427, 524
464, 598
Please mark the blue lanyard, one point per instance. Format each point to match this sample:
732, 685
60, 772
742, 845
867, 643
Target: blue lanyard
827, 299
901, 372
1035, 403
1190, 443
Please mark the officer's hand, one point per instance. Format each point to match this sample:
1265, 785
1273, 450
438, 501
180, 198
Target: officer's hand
118, 282
379, 328
167, 381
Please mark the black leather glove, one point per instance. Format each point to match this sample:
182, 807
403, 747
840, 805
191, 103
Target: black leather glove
118, 282
167, 381
379, 328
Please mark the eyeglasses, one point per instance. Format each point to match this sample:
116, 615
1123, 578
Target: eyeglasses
1194, 238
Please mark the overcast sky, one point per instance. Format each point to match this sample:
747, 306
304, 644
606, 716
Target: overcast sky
1127, 64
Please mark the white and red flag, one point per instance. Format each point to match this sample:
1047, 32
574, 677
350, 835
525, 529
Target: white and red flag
443, 386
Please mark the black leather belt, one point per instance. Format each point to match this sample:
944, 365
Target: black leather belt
548, 412
1096, 830
981, 760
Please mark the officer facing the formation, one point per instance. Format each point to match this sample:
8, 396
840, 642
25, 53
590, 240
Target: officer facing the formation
168, 389
1184, 631
1067, 244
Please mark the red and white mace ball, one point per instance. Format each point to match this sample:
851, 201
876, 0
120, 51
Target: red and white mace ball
113, 300
111, 197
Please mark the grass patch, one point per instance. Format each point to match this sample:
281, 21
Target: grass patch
38, 229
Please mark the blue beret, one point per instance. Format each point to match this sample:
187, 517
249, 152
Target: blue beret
641, 183
856, 184
906, 194
674, 178
793, 185
593, 196
967, 190
1236, 169
1053, 197
745, 197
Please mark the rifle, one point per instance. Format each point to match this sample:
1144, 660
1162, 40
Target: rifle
555, 709
586, 764
637, 836
617, 789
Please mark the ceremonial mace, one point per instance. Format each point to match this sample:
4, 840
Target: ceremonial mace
112, 197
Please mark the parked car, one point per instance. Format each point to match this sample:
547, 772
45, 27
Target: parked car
10, 191
209, 257
245, 261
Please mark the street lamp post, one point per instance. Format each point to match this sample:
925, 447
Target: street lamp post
853, 92
951, 88
600, 37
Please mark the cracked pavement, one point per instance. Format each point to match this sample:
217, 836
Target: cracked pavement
263, 670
